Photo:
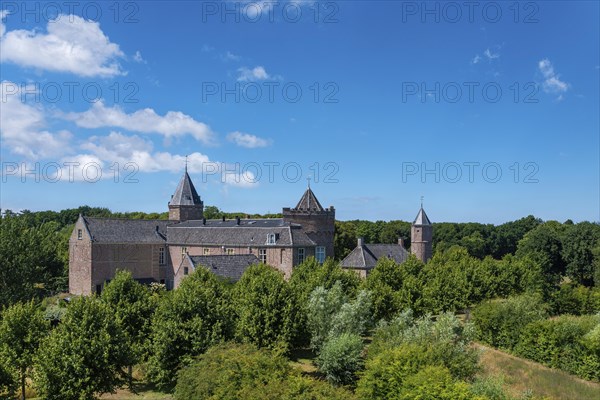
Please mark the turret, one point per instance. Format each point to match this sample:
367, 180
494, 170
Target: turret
421, 236
185, 203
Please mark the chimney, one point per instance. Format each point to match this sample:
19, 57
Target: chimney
156, 228
361, 241
203, 221
237, 220
401, 241
223, 218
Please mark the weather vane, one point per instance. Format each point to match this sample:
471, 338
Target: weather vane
422, 197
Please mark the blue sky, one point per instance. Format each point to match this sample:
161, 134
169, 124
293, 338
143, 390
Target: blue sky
491, 112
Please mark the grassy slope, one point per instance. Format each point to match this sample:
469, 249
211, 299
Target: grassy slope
522, 375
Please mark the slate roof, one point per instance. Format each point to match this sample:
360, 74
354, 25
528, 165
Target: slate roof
185, 194
227, 266
366, 256
115, 230
422, 218
229, 233
309, 202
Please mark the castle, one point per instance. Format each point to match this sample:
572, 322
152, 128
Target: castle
165, 251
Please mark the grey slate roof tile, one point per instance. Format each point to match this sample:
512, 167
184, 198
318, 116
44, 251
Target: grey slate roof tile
185, 194
366, 256
227, 266
115, 230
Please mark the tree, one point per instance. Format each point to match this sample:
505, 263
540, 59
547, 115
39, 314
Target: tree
577, 251
544, 244
330, 313
434, 382
84, 356
22, 328
447, 287
30, 266
266, 308
394, 287
133, 309
341, 358
186, 323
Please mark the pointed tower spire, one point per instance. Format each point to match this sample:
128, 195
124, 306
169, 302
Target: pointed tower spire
185, 203
421, 236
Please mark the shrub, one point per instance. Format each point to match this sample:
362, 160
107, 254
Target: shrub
575, 299
242, 371
434, 382
561, 343
499, 322
341, 358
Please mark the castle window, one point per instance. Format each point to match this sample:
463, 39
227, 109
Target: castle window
320, 254
183, 251
281, 256
186, 270
300, 255
206, 251
161, 256
262, 255
230, 252
271, 238
79, 234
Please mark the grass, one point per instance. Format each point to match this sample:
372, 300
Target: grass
524, 376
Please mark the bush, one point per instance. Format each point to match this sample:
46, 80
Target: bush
434, 382
227, 370
562, 343
341, 358
499, 322
446, 339
242, 371
575, 299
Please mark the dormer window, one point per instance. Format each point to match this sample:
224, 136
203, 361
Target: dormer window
271, 238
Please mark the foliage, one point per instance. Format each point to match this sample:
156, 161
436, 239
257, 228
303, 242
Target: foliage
490, 387
388, 374
22, 328
132, 308
447, 287
394, 287
308, 276
30, 266
579, 242
544, 243
84, 356
446, 339
575, 299
434, 382
265, 307
187, 321
330, 313
562, 343
242, 371
500, 322
340, 358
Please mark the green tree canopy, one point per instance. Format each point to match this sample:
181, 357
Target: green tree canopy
84, 356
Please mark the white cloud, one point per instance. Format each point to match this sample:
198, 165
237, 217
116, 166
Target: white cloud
229, 56
137, 57
552, 82
71, 44
247, 140
124, 149
172, 124
3, 14
490, 55
476, 59
22, 127
255, 74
